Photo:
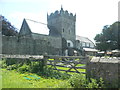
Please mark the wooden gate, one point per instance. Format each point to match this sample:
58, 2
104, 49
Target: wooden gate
68, 63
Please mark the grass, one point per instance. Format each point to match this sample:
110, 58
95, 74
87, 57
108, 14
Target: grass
13, 79
80, 70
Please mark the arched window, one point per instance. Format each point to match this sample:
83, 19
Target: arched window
69, 43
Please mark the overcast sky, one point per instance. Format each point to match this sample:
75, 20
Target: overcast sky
91, 15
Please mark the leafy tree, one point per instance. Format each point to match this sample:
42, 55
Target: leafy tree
108, 39
7, 28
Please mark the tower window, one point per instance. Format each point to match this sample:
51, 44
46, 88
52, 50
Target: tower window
63, 29
69, 31
68, 44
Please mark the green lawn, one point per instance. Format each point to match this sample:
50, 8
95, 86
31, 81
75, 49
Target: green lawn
13, 79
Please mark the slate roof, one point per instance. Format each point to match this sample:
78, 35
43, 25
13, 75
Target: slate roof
90, 50
83, 39
37, 27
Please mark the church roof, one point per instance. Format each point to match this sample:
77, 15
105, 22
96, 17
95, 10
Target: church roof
83, 39
90, 50
37, 27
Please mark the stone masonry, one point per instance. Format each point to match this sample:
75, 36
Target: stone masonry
107, 68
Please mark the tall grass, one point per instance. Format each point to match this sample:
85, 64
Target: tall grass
13, 79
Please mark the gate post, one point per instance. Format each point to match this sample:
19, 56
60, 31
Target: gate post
105, 68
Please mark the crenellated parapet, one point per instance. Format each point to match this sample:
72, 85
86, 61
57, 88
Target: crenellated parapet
61, 13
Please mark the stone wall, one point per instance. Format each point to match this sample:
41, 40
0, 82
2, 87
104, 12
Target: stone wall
53, 41
107, 68
27, 46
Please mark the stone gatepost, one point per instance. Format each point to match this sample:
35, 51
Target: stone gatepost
107, 68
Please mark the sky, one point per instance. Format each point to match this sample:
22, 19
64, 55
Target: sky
91, 15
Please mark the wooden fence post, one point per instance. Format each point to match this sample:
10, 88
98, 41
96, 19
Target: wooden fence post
44, 60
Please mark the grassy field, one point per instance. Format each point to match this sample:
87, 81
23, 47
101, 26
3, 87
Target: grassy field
13, 79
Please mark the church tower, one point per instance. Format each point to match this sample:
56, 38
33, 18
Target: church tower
62, 24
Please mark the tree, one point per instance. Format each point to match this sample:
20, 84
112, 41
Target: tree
108, 39
7, 28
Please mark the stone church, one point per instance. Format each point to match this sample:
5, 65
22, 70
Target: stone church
61, 38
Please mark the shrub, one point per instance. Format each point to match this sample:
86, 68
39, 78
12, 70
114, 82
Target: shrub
36, 67
49, 72
12, 67
63, 84
92, 84
10, 61
79, 81
24, 68
3, 64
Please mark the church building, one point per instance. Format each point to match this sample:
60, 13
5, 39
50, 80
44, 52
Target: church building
61, 38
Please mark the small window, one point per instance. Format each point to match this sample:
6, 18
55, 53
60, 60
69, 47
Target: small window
89, 45
69, 31
63, 29
68, 44
83, 44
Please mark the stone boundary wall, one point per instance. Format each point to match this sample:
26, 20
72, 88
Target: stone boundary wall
107, 68
52, 40
27, 46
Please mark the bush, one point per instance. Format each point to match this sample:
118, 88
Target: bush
36, 67
12, 67
24, 68
49, 72
3, 64
63, 84
79, 81
92, 84
10, 61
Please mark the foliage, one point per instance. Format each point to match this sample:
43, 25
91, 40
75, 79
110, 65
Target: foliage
50, 78
12, 67
108, 39
92, 84
34, 67
63, 84
49, 72
7, 28
3, 64
13, 79
24, 68
79, 81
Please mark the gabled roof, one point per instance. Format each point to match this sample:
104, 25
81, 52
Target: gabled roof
35, 27
25, 30
90, 50
83, 39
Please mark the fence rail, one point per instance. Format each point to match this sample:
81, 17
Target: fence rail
69, 62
